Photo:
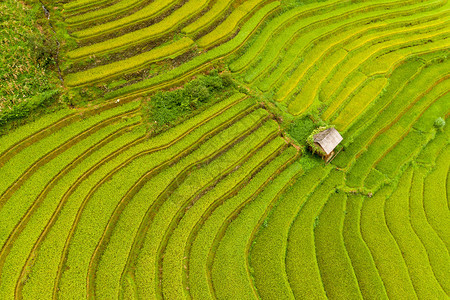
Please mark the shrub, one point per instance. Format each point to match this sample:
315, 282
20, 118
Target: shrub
25, 108
300, 129
28, 83
166, 108
439, 123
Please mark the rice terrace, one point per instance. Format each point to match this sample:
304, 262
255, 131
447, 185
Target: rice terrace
229, 149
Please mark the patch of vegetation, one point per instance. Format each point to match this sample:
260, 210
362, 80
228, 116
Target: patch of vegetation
308, 161
27, 58
223, 199
166, 109
310, 140
24, 108
439, 123
301, 128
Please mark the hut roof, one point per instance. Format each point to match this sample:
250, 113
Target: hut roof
328, 139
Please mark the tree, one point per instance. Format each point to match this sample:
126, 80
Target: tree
439, 123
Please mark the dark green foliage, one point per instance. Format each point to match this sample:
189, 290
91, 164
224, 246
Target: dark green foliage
300, 129
23, 109
27, 57
439, 123
81, 96
166, 108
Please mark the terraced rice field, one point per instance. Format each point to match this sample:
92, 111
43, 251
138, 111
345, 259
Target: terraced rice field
225, 204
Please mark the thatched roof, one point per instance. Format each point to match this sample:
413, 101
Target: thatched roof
328, 139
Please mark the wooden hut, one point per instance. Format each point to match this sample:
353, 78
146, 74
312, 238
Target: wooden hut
323, 141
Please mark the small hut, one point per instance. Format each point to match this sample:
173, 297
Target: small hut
323, 141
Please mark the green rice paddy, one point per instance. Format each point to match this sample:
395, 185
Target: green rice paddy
225, 203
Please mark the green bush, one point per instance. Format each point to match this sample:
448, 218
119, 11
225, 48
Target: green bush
26, 61
439, 123
23, 109
165, 108
300, 129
